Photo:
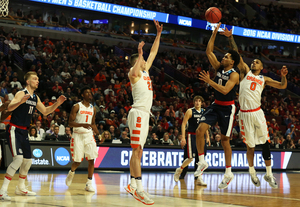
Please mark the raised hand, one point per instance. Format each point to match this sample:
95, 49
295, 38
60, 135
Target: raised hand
140, 47
226, 32
284, 71
25, 98
217, 28
159, 28
61, 99
204, 76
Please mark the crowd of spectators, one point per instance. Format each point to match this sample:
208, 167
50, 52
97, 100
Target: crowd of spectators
64, 67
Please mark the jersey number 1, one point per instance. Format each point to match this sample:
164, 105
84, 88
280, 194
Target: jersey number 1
87, 118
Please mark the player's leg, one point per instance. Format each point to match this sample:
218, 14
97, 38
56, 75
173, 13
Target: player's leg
188, 158
24, 168
12, 136
77, 151
250, 158
199, 179
184, 170
267, 157
225, 121
91, 153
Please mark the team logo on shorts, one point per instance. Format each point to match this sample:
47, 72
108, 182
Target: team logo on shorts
20, 150
203, 118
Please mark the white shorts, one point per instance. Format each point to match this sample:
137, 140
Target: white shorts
83, 145
254, 127
138, 122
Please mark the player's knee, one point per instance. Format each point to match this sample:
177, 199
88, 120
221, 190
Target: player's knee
15, 165
91, 162
200, 131
26, 164
77, 163
266, 153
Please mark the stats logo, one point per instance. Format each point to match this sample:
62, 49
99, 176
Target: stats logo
37, 153
38, 159
62, 156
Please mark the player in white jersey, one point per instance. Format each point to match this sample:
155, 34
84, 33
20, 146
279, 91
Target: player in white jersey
138, 117
83, 144
252, 120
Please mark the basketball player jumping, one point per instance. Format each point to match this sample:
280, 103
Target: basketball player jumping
192, 117
22, 106
138, 117
82, 119
222, 110
252, 119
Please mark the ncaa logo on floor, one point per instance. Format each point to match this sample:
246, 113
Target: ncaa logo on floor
62, 156
37, 153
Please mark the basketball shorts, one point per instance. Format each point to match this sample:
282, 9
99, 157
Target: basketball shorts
138, 122
254, 127
224, 115
191, 147
18, 141
83, 145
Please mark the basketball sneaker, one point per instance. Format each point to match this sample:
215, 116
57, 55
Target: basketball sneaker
201, 167
255, 179
177, 174
130, 189
88, 186
143, 197
226, 180
4, 196
70, 178
24, 191
271, 181
200, 181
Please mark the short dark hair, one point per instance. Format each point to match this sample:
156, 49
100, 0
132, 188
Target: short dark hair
235, 56
83, 89
133, 59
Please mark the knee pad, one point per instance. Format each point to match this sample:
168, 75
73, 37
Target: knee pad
15, 165
266, 153
25, 166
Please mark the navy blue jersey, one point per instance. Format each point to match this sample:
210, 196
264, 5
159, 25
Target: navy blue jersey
221, 79
194, 121
22, 115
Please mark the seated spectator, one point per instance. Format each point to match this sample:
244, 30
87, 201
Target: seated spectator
100, 77
165, 140
291, 131
154, 139
15, 83
12, 94
217, 142
274, 124
291, 145
68, 135
113, 132
54, 136
40, 130
298, 144
33, 135
106, 136
123, 124
124, 138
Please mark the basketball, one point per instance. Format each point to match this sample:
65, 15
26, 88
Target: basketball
213, 15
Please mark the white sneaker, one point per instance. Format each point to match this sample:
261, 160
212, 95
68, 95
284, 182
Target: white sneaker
4, 196
177, 174
70, 178
200, 181
89, 187
201, 167
271, 180
143, 197
255, 179
130, 189
24, 191
226, 180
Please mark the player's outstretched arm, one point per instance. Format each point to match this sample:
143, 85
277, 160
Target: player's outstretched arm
210, 49
187, 116
233, 80
135, 70
19, 99
244, 68
3, 109
72, 117
48, 110
276, 84
155, 45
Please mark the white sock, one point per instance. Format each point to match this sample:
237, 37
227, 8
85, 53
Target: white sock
133, 182
22, 183
228, 170
139, 185
251, 170
201, 158
5, 184
269, 170
186, 162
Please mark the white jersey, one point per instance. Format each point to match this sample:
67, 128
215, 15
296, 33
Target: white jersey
142, 93
251, 88
84, 116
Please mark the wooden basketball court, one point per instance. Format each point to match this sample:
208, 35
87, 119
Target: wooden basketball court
52, 191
